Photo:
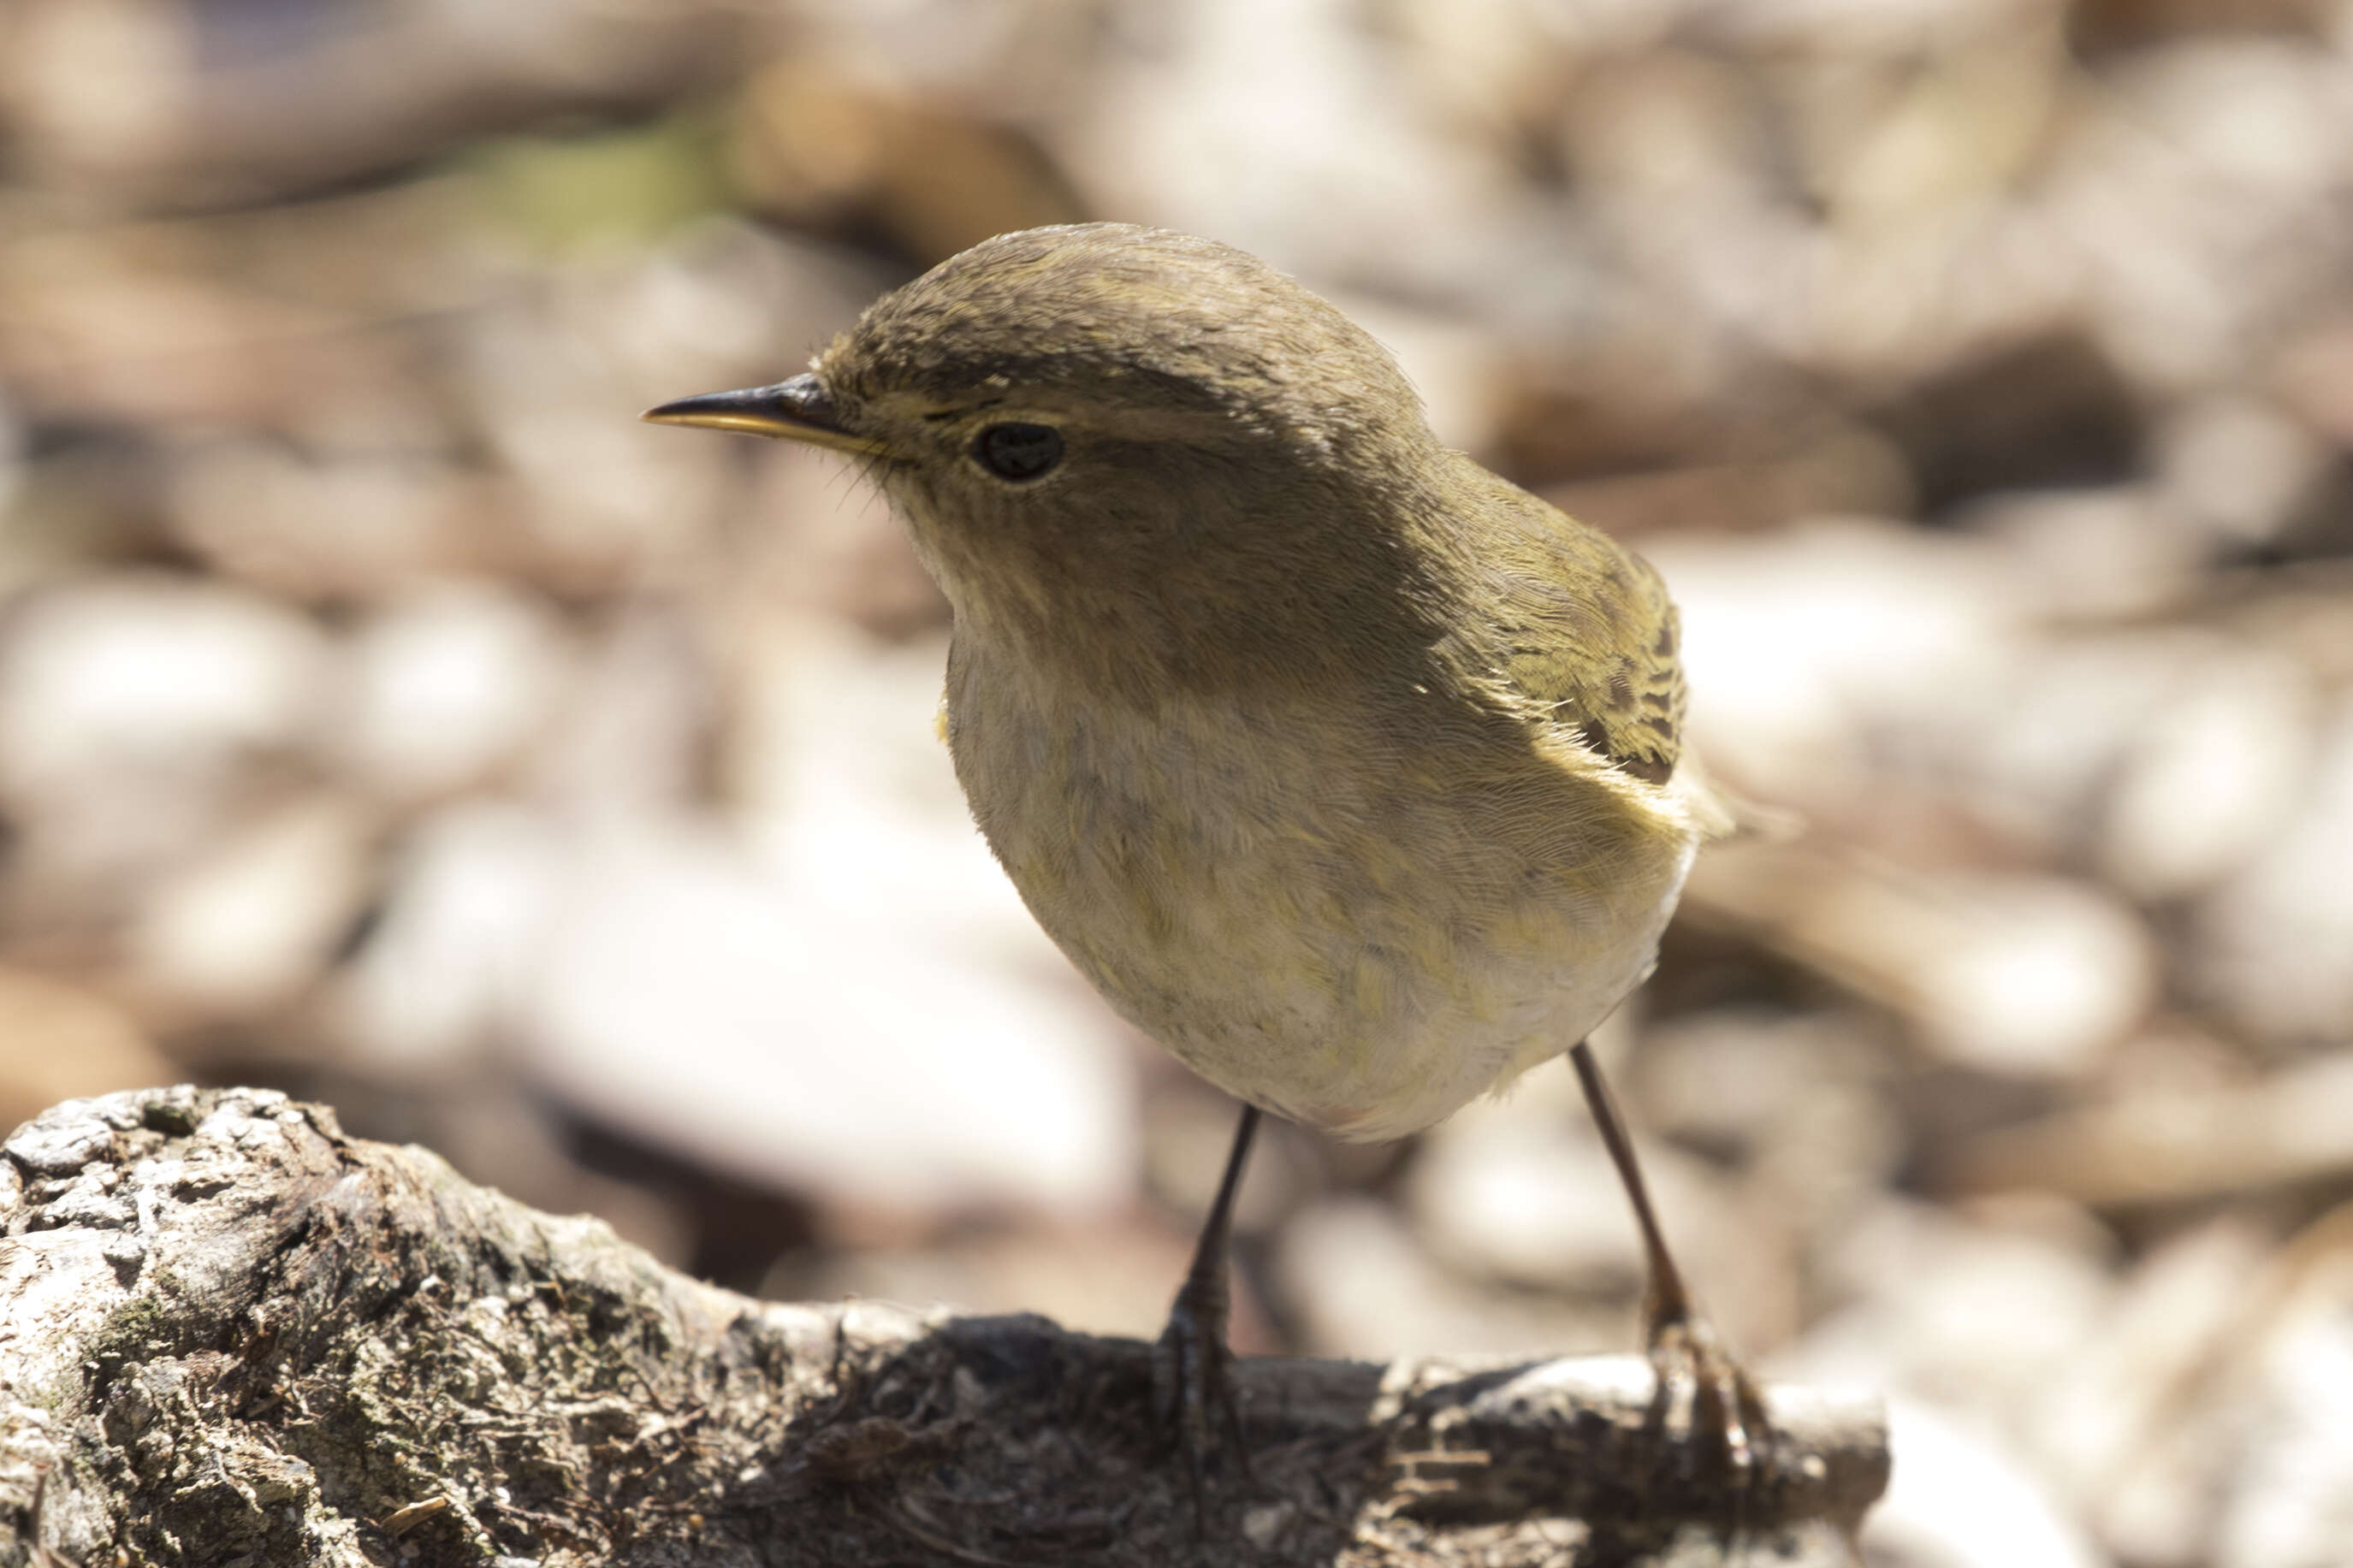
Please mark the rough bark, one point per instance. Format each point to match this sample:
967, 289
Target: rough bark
230, 1334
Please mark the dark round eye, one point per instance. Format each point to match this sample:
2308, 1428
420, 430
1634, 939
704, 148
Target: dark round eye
1019, 451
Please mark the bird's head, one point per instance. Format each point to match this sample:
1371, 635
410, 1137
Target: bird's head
1103, 426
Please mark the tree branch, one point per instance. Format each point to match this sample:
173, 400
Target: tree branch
228, 1333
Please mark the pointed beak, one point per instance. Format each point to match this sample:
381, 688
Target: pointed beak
795, 410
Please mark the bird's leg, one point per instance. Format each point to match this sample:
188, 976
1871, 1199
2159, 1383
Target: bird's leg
1695, 1371
1192, 1365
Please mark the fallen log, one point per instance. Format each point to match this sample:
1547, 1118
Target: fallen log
231, 1334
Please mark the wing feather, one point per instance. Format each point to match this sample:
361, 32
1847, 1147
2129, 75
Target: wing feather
1582, 633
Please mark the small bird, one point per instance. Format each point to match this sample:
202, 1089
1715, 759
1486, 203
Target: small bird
1342, 767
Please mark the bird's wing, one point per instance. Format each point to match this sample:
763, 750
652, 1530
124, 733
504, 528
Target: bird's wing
1584, 634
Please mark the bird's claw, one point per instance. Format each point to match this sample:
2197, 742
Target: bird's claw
1707, 1408
1193, 1389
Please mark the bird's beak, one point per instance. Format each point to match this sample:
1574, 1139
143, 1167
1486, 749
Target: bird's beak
795, 410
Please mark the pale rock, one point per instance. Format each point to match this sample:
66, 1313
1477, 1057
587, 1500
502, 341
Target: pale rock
1663, 127
1961, 1497
2124, 1428
2189, 204
829, 1024
2275, 942
1959, 136
632, 734
1801, 1098
603, 498
1494, 64
101, 85
2095, 553
469, 890
144, 675
1520, 1192
1362, 1285
447, 686
2210, 784
2167, 755
2289, 1502
1800, 643
1215, 117
245, 925
2237, 465
2032, 747
837, 771
2006, 973
305, 523
724, 302
1914, 255
2042, 976
1526, 1204
140, 718
1701, 265
1530, 1198
2253, 112
1977, 1317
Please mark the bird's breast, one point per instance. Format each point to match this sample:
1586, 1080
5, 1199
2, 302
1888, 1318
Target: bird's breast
1357, 907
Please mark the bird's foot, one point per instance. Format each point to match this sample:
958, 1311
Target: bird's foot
1708, 1410
1193, 1391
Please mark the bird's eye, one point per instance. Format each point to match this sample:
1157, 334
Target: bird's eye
1018, 452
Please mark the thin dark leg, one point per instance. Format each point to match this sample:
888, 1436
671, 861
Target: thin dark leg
1693, 1367
1192, 1366
1665, 1298
1209, 1251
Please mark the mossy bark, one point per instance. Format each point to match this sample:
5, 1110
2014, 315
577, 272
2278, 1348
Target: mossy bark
230, 1334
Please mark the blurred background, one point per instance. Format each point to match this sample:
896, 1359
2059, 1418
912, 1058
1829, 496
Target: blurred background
387, 716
